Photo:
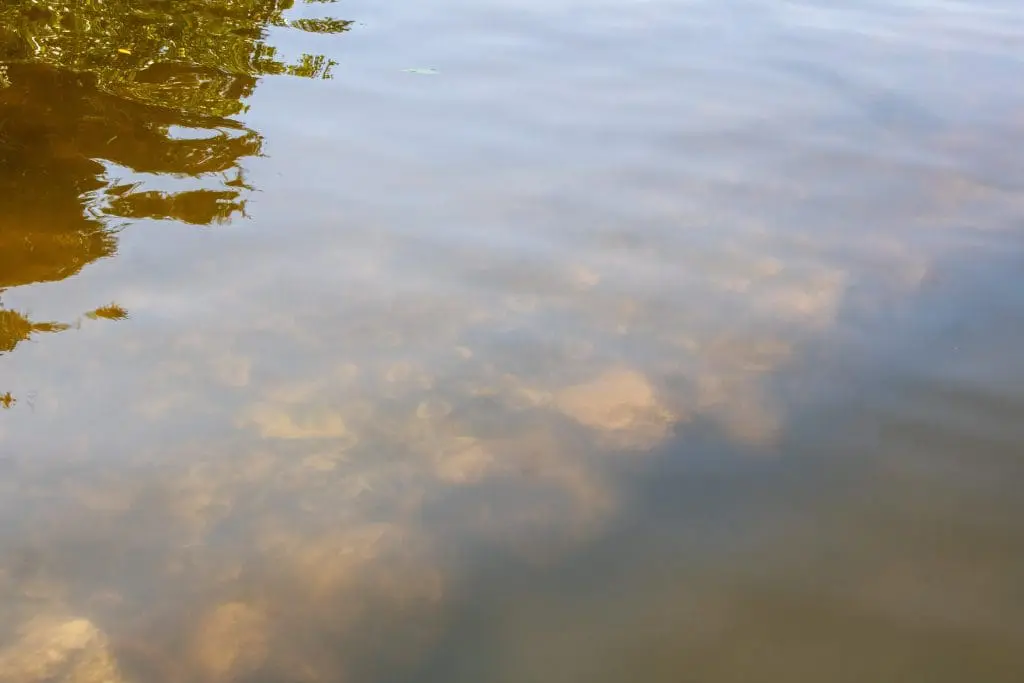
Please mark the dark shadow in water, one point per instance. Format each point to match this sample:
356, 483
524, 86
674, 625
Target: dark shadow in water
90, 92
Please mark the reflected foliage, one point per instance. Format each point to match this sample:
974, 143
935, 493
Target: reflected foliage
99, 100
196, 56
111, 311
16, 327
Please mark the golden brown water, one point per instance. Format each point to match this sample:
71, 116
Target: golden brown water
571, 342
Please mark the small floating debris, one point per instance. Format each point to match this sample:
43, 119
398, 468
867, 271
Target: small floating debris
427, 71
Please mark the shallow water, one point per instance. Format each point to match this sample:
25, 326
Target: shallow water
564, 341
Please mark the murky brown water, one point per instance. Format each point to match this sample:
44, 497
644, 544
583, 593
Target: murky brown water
566, 341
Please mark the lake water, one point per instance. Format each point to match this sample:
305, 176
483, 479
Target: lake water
662, 340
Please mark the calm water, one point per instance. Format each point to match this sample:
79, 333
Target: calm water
652, 340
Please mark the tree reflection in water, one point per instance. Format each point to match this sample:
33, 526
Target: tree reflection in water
92, 91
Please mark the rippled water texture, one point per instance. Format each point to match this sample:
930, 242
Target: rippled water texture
505, 341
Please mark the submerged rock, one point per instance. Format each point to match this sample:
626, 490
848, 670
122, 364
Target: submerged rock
59, 651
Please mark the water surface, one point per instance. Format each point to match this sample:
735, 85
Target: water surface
563, 341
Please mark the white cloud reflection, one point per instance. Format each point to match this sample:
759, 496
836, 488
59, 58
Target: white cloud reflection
303, 417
